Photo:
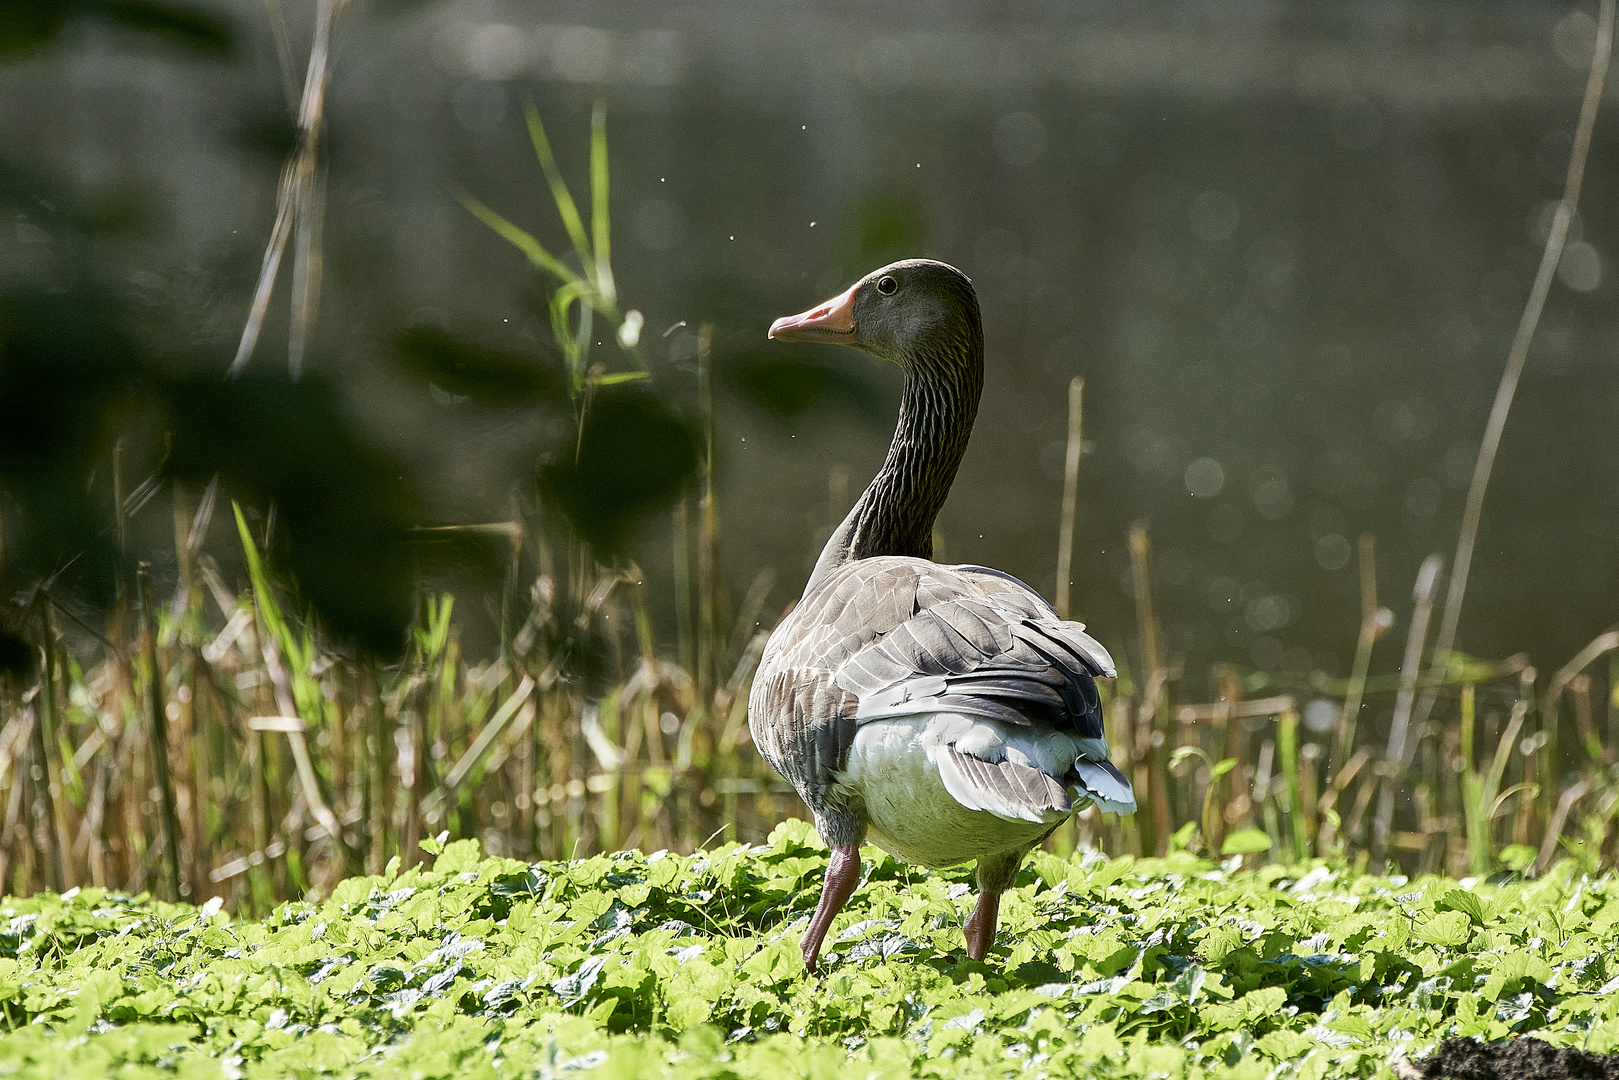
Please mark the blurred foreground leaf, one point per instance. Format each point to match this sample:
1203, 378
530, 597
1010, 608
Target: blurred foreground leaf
789, 387
191, 27
343, 503
634, 454
487, 376
29, 25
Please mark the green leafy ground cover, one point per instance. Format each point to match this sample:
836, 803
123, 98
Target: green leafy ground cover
635, 965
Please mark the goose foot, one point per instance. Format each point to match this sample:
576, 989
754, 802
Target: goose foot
980, 927
842, 875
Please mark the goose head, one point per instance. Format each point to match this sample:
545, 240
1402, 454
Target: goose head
917, 313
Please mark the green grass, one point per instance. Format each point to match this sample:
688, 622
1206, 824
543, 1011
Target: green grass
645, 965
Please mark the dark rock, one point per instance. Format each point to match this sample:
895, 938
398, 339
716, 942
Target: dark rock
1514, 1059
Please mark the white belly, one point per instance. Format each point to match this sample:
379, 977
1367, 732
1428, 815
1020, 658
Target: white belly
893, 767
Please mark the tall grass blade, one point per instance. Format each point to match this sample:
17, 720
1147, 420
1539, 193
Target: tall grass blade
1554, 828
601, 232
264, 597
520, 239
1473, 807
1287, 745
1613, 700
1550, 256
566, 208
480, 746
1600, 646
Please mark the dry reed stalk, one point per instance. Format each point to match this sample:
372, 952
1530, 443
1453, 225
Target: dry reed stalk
1401, 746
1155, 693
192, 752
158, 735
1375, 621
53, 851
13, 840
1584, 720
1070, 495
1566, 676
259, 818
486, 738
708, 527
1226, 709
300, 202
1613, 700
680, 533
49, 730
95, 827
293, 728
1309, 794
1554, 828
1550, 256
1238, 810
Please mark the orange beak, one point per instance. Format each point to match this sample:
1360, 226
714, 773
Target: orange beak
831, 321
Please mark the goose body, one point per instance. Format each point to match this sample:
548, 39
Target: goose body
945, 713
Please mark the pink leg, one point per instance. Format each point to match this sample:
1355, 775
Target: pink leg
842, 875
980, 928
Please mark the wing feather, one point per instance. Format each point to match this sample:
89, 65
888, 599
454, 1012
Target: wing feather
1004, 788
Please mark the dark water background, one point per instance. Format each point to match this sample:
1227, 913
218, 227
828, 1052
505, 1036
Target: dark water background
1286, 245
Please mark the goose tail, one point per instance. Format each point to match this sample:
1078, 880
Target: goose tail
1104, 785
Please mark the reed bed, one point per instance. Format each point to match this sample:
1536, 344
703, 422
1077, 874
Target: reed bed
215, 742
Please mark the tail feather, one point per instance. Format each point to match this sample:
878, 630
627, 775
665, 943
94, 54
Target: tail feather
1105, 785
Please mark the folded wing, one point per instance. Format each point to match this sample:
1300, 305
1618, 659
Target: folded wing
892, 636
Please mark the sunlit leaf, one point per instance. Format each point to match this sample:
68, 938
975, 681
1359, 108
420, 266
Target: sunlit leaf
1245, 842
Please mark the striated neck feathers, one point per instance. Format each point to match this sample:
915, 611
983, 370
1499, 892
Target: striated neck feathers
944, 376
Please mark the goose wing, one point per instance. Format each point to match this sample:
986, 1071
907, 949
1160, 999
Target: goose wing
894, 636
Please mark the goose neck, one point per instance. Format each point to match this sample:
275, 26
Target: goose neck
895, 514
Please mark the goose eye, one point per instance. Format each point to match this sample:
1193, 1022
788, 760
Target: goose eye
887, 286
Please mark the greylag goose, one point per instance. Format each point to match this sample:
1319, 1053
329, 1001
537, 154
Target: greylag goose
944, 712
